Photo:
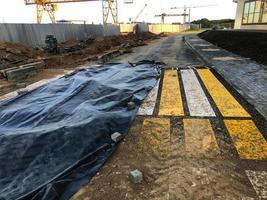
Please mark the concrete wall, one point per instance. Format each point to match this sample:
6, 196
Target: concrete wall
239, 16
167, 28
34, 34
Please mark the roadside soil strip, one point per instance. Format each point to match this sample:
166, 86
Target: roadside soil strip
248, 140
226, 103
171, 101
197, 101
148, 105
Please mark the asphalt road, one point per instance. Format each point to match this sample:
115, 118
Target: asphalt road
170, 50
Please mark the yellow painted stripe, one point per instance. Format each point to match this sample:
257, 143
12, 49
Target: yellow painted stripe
171, 100
248, 140
199, 138
156, 135
226, 103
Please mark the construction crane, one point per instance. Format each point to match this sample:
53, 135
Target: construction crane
140, 13
163, 15
50, 6
189, 12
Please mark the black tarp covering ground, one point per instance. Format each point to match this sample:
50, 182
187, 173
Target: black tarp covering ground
56, 137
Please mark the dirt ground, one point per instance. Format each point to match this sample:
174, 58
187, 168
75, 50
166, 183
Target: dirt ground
169, 173
249, 44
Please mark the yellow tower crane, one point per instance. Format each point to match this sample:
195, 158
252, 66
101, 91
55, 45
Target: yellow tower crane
50, 6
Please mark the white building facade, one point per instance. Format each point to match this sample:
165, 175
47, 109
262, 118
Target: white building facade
251, 14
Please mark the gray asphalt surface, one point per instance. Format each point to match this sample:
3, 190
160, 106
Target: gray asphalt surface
171, 50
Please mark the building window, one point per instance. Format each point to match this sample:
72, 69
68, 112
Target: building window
255, 12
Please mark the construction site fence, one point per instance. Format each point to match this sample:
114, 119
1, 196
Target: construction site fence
34, 34
167, 28
139, 27
154, 28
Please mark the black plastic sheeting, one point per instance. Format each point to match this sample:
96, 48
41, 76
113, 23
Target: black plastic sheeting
55, 138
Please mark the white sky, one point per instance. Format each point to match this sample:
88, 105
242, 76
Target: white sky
14, 11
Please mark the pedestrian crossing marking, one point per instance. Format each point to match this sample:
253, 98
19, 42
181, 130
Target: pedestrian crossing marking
197, 101
248, 140
171, 101
226, 103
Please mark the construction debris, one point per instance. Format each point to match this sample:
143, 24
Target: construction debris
51, 44
116, 137
21, 85
22, 72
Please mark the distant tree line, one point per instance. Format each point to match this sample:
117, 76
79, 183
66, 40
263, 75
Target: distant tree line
205, 23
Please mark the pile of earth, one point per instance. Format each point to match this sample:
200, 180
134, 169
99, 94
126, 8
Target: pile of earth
100, 44
249, 44
71, 52
88, 50
15, 53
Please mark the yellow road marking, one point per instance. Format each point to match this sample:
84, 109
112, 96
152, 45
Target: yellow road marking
171, 100
156, 133
199, 138
226, 103
248, 140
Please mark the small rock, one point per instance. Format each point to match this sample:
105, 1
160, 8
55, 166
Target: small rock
116, 137
136, 176
131, 105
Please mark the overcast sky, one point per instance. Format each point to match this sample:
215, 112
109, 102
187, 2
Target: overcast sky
14, 11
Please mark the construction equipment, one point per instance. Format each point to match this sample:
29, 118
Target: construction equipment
163, 15
50, 6
51, 44
140, 13
189, 10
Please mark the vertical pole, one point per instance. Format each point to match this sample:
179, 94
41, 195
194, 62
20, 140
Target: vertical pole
185, 15
189, 16
39, 13
50, 8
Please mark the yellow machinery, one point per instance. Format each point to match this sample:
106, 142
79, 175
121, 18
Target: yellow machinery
50, 6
